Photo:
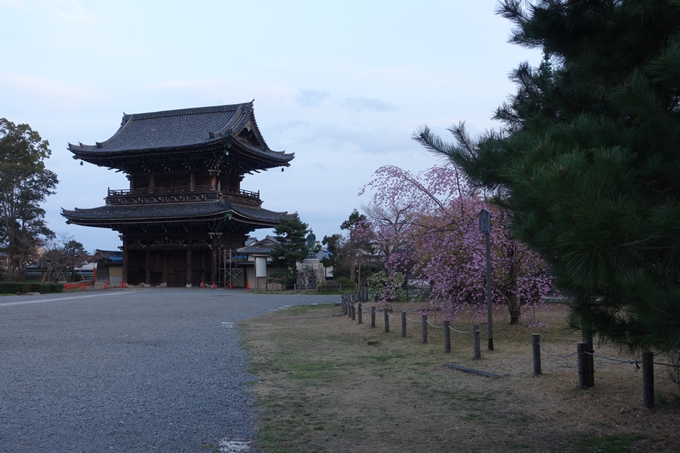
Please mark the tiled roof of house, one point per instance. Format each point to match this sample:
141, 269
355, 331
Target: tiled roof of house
264, 250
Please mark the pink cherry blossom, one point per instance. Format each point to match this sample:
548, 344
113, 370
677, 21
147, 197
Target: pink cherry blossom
426, 226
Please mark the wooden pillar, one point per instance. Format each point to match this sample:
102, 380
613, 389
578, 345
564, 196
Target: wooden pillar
152, 183
192, 181
215, 238
203, 264
147, 266
189, 262
165, 267
126, 258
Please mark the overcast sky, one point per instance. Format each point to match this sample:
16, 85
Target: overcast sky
343, 85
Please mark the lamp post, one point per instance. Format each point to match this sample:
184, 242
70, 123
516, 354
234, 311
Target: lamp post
485, 229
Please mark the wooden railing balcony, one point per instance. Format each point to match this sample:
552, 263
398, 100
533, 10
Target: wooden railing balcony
181, 194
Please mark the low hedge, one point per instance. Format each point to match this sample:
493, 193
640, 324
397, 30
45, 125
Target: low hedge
30, 287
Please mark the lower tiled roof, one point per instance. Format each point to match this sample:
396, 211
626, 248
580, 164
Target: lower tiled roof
164, 212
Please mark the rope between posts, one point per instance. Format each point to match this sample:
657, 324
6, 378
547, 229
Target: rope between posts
630, 361
666, 364
635, 362
555, 355
467, 332
391, 316
412, 320
436, 327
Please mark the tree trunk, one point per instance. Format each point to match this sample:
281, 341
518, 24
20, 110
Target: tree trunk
514, 307
352, 259
514, 302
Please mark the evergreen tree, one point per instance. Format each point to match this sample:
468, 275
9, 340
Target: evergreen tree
334, 244
588, 160
291, 233
354, 220
24, 184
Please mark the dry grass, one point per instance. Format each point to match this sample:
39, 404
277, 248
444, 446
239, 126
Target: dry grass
327, 384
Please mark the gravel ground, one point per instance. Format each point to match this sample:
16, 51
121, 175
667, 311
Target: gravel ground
136, 370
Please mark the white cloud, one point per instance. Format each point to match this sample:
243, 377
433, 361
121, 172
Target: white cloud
66, 10
311, 98
65, 95
70, 11
361, 104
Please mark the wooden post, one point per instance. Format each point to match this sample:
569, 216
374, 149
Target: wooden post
354, 311
360, 320
489, 308
447, 337
387, 320
476, 341
583, 381
536, 347
590, 363
423, 330
403, 324
373, 316
648, 379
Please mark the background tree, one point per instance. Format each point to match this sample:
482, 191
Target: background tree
291, 233
353, 222
61, 256
588, 160
335, 244
24, 184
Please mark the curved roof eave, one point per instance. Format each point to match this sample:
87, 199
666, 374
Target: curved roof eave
171, 213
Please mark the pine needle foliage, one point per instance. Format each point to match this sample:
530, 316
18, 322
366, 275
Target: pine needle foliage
290, 233
588, 160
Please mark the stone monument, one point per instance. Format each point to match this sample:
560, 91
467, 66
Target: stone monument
311, 272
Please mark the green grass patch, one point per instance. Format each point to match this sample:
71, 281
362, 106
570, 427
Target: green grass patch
608, 443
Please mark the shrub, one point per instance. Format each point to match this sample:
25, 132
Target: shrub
346, 283
28, 287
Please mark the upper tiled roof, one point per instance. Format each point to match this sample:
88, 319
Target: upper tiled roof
185, 128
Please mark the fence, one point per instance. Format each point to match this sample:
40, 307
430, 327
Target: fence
352, 306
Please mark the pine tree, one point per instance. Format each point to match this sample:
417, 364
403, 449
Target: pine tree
354, 220
588, 160
291, 234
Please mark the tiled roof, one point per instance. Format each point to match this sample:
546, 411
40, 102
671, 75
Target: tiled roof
170, 212
177, 129
256, 250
